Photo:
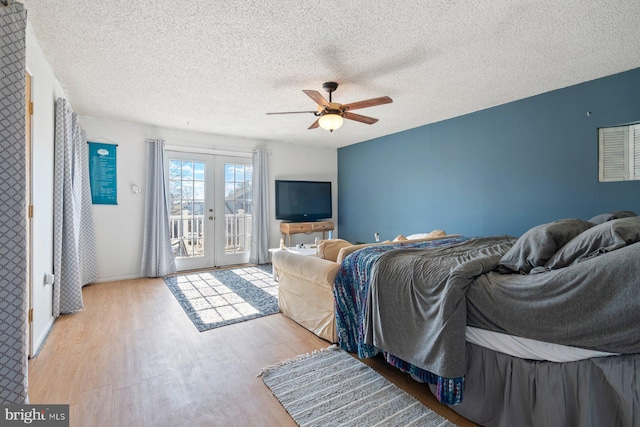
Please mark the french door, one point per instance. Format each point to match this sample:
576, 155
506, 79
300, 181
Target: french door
210, 209
235, 207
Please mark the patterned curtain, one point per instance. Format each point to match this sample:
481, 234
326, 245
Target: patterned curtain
13, 255
74, 242
260, 219
157, 256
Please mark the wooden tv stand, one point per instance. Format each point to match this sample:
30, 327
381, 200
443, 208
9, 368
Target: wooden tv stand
289, 228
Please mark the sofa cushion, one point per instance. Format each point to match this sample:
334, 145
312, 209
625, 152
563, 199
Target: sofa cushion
329, 249
312, 270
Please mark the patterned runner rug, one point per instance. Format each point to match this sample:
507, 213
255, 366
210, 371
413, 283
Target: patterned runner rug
332, 388
221, 297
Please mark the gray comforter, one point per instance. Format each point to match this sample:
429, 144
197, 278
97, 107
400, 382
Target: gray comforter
420, 302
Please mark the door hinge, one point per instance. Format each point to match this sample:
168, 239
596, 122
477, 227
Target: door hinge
30, 213
31, 315
31, 108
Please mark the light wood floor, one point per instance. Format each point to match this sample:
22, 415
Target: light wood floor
132, 357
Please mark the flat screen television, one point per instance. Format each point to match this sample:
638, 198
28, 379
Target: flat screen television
300, 201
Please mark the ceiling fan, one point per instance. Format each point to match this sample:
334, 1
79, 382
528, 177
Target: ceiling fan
331, 114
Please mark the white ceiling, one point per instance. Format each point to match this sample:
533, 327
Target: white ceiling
219, 66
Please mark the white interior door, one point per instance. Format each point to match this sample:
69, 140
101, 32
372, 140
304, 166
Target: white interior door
233, 209
191, 179
29, 213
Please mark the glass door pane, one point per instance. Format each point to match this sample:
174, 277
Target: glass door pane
190, 180
238, 209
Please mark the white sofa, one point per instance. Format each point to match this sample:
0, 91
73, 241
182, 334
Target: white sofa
305, 289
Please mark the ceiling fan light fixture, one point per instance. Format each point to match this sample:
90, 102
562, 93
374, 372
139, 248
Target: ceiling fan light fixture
330, 121
330, 114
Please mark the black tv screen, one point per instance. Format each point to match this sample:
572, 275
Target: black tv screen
299, 201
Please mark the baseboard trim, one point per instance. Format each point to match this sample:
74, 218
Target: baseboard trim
43, 338
117, 278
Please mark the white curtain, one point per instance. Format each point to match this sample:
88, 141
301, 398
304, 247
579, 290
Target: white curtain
74, 244
157, 256
13, 251
260, 219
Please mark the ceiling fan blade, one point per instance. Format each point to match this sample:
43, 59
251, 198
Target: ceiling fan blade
368, 103
359, 118
316, 96
315, 124
292, 112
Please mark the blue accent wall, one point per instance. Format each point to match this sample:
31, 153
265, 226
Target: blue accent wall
497, 171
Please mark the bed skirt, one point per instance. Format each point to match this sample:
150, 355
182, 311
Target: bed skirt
502, 390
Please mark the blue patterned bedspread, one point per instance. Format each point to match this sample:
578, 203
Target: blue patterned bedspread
350, 291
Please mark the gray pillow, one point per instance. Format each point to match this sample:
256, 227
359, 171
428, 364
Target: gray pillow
537, 245
602, 238
599, 219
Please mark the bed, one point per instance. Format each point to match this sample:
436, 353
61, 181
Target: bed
539, 330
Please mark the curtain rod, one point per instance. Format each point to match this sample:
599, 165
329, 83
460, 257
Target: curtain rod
236, 150
212, 149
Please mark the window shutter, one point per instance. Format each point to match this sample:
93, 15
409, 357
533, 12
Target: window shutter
613, 147
635, 151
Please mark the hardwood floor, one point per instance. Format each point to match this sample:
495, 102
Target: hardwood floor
133, 358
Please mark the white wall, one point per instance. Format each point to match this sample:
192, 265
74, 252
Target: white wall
290, 161
119, 227
45, 90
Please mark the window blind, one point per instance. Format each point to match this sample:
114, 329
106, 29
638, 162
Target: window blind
613, 146
635, 164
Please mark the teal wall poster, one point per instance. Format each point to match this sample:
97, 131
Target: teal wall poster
102, 173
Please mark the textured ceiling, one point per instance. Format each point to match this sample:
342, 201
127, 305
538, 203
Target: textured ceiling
219, 66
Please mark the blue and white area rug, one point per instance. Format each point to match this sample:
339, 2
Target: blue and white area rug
329, 387
221, 297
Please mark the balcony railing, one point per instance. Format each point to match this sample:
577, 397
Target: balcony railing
187, 234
